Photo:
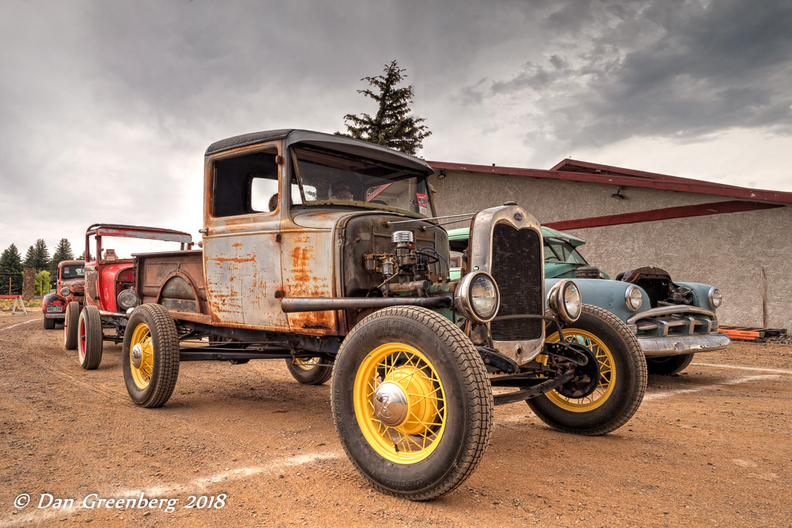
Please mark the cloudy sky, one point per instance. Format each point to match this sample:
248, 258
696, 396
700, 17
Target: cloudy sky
107, 106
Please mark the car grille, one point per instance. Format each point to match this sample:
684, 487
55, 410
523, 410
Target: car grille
518, 270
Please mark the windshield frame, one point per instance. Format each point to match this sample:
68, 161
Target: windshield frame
398, 173
548, 243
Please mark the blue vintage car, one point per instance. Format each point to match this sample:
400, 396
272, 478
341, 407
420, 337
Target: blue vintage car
672, 320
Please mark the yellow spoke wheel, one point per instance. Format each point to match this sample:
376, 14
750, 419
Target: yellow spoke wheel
400, 403
607, 378
411, 402
620, 385
141, 356
150, 356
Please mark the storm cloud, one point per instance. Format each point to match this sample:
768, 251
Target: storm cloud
107, 107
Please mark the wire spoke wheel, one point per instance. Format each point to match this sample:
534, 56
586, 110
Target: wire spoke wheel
411, 402
620, 385
151, 356
141, 356
400, 403
607, 373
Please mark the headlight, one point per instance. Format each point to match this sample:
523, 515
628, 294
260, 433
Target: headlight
127, 299
564, 299
477, 298
65, 291
715, 297
633, 297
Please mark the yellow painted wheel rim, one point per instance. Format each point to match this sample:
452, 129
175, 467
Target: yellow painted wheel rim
607, 379
305, 364
420, 433
142, 375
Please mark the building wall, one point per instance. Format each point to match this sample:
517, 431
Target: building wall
744, 254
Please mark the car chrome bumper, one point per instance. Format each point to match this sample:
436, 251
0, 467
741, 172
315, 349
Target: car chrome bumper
682, 344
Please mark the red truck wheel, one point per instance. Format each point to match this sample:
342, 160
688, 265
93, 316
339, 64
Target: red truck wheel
89, 338
151, 356
70, 326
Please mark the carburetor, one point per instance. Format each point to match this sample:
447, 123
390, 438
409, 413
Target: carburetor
405, 262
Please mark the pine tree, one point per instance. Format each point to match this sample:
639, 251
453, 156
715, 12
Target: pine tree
391, 126
11, 271
37, 256
62, 252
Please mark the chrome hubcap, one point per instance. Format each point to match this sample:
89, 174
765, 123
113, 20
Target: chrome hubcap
390, 404
137, 356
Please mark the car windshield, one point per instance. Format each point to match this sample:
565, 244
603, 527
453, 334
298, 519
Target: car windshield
74, 271
557, 250
332, 178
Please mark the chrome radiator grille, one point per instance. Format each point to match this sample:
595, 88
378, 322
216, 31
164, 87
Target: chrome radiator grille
517, 268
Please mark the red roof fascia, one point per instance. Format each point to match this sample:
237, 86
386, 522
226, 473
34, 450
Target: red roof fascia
667, 213
624, 178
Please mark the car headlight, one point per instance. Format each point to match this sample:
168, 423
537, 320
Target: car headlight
564, 299
127, 299
633, 297
477, 297
65, 291
715, 297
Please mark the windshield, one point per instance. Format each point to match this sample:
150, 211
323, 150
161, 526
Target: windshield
560, 251
332, 178
74, 271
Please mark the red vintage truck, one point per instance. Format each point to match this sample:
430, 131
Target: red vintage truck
326, 252
69, 288
109, 286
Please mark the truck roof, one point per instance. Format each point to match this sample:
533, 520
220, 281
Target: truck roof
329, 141
132, 231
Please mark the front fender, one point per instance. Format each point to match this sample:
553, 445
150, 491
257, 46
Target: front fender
607, 294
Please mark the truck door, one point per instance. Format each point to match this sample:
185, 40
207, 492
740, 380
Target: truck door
242, 253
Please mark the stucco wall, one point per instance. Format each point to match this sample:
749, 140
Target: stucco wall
745, 254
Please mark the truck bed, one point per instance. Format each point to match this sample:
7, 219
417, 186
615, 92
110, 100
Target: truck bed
174, 279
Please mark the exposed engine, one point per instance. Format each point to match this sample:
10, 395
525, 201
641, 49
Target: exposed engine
658, 285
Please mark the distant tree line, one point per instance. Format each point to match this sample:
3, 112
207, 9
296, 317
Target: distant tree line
38, 258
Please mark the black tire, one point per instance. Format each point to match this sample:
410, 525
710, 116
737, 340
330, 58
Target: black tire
70, 325
622, 382
150, 356
668, 365
89, 338
49, 323
443, 434
312, 371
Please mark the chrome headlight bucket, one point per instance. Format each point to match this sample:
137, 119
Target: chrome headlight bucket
715, 297
65, 291
564, 299
477, 297
127, 299
633, 297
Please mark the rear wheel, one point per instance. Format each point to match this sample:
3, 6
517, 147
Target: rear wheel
622, 378
70, 325
411, 402
150, 356
668, 365
49, 323
89, 338
310, 371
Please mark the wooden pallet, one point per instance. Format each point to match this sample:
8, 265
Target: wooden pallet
750, 334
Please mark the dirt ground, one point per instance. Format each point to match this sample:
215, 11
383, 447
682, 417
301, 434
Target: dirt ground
246, 445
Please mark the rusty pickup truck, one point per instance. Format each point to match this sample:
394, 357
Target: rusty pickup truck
326, 252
